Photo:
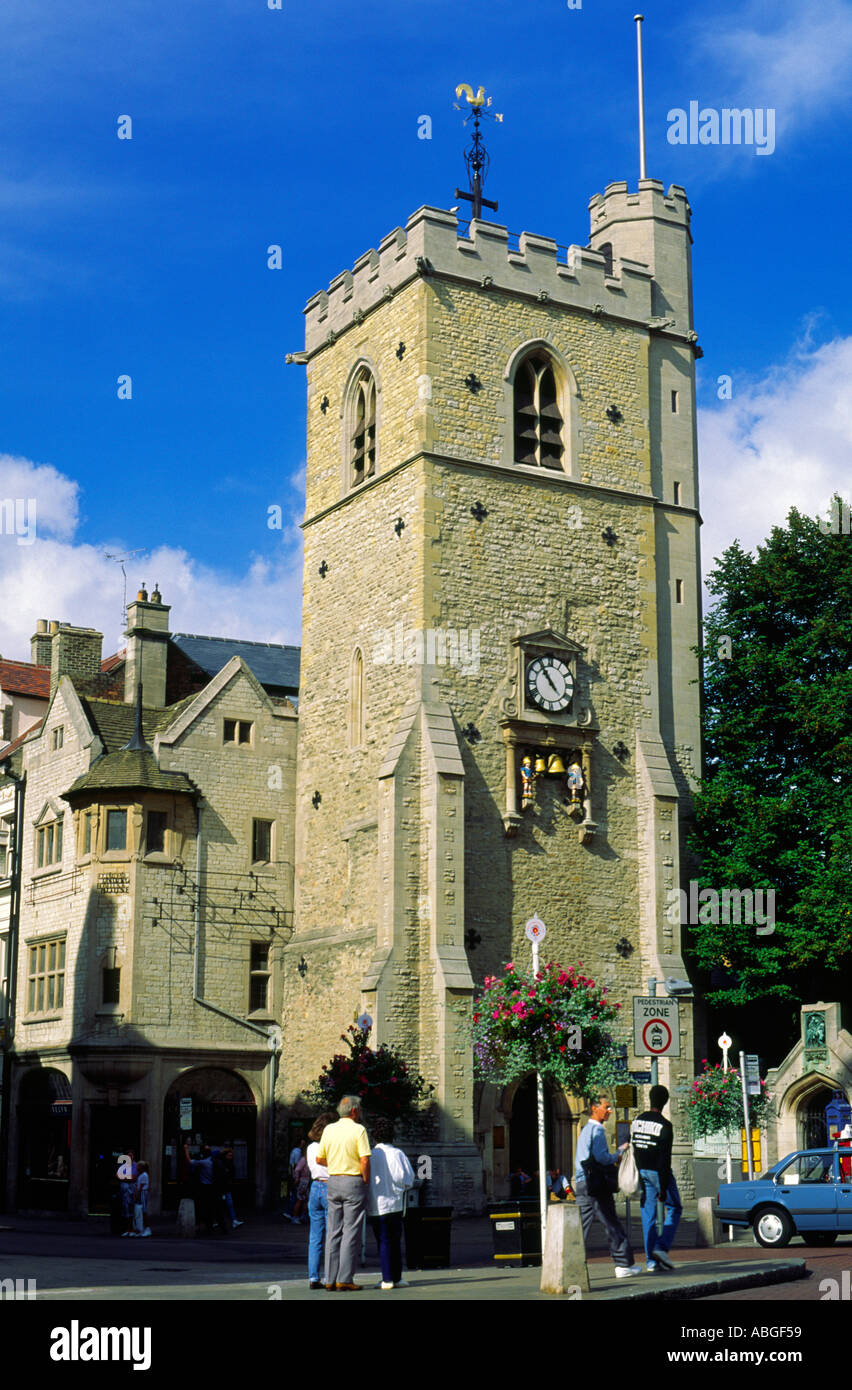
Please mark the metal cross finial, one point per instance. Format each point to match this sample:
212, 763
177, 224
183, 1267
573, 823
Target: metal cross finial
476, 157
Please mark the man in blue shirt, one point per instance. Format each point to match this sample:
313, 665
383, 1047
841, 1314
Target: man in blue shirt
600, 1203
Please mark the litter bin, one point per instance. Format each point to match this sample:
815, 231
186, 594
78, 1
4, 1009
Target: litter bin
427, 1237
516, 1227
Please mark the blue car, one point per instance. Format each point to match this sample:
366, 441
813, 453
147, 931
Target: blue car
807, 1194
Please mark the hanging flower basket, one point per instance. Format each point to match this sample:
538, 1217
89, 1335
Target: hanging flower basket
557, 1022
379, 1076
715, 1103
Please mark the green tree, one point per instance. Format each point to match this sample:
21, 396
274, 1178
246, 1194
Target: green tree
775, 808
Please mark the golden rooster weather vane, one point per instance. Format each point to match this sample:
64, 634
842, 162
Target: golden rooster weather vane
476, 157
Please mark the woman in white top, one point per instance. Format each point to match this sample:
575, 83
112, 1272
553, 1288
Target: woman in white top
391, 1175
317, 1201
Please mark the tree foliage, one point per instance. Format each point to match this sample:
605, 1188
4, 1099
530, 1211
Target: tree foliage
775, 808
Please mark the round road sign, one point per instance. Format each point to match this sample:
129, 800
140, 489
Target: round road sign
535, 929
657, 1036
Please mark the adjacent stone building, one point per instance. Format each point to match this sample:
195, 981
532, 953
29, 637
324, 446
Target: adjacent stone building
156, 900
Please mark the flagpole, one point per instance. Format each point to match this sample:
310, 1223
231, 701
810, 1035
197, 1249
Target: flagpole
638, 19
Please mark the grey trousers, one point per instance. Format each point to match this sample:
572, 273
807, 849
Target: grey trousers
347, 1198
603, 1208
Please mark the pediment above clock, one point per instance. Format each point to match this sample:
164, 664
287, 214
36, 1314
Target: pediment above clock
547, 639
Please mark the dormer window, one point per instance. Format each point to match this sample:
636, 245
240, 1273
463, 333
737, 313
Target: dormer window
362, 451
538, 422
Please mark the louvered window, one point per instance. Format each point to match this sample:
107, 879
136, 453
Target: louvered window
538, 419
363, 450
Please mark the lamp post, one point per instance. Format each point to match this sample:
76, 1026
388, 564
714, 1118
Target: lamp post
725, 1043
536, 932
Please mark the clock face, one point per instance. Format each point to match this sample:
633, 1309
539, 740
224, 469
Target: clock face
550, 684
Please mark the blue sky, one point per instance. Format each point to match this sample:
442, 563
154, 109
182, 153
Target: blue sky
298, 126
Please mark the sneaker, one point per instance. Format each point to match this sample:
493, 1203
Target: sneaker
402, 1284
238, 1223
133, 1234
625, 1271
127, 1233
652, 1267
147, 1231
662, 1258
383, 1285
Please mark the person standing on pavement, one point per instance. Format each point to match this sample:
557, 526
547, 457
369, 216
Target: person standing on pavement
140, 1201
317, 1201
344, 1150
594, 1197
204, 1183
391, 1175
127, 1175
652, 1136
226, 1182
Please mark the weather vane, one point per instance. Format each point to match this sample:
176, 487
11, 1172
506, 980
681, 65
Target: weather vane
476, 157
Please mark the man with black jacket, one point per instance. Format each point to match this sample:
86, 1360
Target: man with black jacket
652, 1136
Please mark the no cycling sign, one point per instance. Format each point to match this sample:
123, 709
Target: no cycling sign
655, 1027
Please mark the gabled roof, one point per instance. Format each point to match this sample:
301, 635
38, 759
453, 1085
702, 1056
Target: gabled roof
22, 678
274, 665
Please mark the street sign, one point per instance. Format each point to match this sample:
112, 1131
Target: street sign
656, 1031
535, 929
640, 1078
752, 1074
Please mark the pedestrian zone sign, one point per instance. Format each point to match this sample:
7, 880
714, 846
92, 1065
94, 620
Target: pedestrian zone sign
656, 1031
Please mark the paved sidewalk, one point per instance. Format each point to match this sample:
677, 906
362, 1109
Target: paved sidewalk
265, 1260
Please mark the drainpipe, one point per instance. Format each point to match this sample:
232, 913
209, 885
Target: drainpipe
12, 972
272, 1033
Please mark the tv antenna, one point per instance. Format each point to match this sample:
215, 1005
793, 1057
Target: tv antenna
122, 560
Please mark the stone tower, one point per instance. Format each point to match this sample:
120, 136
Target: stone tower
501, 561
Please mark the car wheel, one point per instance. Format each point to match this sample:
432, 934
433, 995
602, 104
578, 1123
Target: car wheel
773, 1227
820, 1237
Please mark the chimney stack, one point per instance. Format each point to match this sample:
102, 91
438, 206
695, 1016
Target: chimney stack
147, 648
40, 644
74, 652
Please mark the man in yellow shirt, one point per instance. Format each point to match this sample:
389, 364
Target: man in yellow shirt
345, 1150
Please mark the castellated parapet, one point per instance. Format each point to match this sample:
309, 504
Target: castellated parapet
651, 226
574, 277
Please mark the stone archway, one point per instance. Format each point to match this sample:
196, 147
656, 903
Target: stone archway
222, 1110
502, 1109
799, 1112
44, 1115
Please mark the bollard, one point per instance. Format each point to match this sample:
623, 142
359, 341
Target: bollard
186, 1217
563, 1266
709, 1230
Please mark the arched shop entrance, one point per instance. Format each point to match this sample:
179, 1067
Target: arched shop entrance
215, 1106
44, 1129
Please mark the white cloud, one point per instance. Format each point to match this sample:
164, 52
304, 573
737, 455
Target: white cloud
57, 577
784, 441
801, 67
